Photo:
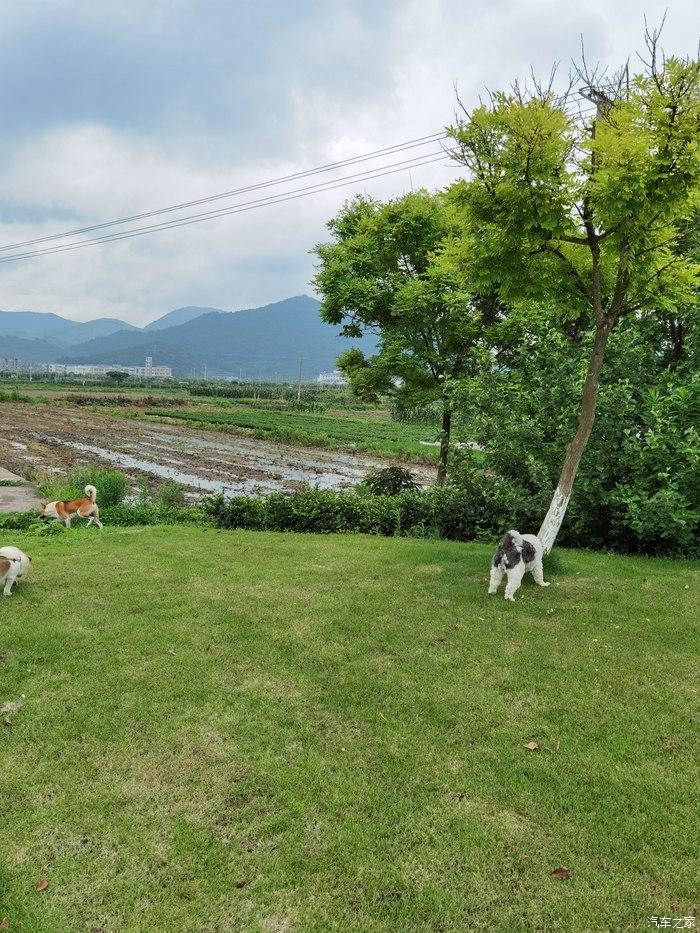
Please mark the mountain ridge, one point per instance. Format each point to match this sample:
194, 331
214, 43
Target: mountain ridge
266, 342
263, 343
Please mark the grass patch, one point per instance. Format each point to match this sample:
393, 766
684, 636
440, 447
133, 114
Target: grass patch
318, 430
239, 730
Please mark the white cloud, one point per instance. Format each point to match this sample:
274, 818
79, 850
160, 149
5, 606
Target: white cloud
360, 81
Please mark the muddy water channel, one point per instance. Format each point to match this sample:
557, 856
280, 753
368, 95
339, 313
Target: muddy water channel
51, 439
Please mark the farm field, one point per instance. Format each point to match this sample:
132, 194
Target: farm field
49, 438
222, 731
328, 430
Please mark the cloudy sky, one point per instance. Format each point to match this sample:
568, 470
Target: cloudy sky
112, 109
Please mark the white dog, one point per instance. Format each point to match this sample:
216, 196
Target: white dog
515, 555
13, 564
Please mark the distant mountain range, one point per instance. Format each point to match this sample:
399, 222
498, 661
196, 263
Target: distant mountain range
262, 343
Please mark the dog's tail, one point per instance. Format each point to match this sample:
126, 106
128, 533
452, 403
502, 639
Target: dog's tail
91, 493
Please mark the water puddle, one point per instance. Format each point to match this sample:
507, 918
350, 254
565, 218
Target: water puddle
249, 486
15, 444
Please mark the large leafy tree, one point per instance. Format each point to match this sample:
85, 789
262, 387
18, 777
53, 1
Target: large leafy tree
385, 271
586, 215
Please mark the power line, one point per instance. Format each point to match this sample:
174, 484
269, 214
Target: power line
294, 194
236, 209
329, 166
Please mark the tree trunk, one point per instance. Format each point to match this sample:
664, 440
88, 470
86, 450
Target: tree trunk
444, 445
560, 500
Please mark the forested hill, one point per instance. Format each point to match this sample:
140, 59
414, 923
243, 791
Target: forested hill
265, 342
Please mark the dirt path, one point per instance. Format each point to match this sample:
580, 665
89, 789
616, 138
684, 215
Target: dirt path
24, 498
51, 438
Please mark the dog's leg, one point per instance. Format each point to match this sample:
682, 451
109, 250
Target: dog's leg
67, 521
95, 517
495, 580
9, 580
537, 574
515, 577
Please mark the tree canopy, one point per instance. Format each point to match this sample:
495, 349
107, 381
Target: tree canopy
585, 216
386, 270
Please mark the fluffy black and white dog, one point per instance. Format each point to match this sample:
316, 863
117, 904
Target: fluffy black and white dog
515, 555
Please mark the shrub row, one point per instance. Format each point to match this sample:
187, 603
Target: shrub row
121, 516
437, 512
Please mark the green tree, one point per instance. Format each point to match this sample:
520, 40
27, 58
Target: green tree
386, 271
585, 216
117, 376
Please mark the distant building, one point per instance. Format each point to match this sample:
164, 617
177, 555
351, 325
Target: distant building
13, 364
149, 371
335, 379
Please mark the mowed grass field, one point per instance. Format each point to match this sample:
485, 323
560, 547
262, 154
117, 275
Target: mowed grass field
253, 731
325, 430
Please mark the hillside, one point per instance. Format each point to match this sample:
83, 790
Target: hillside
178, 316
34, 325
31, 350
262, 342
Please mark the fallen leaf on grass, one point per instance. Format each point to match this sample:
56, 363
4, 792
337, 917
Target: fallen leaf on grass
561, 873
171, 651
532, 746
240, 884
6, 721
42, 885
4, 924
12, 705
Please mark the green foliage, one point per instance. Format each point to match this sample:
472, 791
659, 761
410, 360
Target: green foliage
112, 485
117, 376
586, 222
170, 495
637, 487
319, 430
441, 511
384, 272
17, 521
14, 396
389, 481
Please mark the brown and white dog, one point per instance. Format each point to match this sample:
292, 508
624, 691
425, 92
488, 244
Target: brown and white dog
83, 508
13, 564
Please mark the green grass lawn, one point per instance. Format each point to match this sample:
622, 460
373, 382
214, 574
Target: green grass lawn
254, 731
391, 437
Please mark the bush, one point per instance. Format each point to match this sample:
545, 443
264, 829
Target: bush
17, 521
237, 512
445, 512
112, 485
389, 481
636, 490
170, 495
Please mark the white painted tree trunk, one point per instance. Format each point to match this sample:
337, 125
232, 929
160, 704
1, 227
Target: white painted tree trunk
560, 500
553, 519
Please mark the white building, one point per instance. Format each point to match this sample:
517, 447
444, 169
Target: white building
149, 371
13, 364
335, 379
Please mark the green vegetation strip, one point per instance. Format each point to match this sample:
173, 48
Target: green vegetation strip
320, 430
258, 731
